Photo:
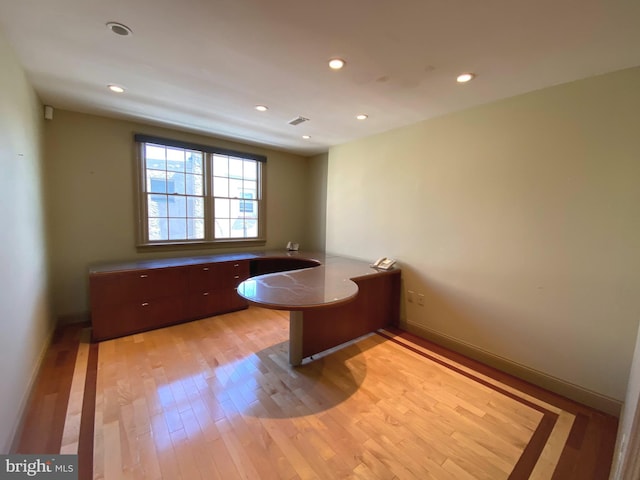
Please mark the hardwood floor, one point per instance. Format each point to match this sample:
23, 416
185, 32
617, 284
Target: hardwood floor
216, 398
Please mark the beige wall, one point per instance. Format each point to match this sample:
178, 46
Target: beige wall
316, 224
90, 184
517, 220
24, 307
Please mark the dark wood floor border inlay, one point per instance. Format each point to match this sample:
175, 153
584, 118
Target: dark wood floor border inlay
85, 438
531, 454
53, 383
525, 465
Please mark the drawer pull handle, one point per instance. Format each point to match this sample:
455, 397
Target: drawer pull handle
236, 265
236, 276
144, 276
145, 304
205, 293
206, 269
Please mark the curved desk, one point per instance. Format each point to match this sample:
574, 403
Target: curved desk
334, 302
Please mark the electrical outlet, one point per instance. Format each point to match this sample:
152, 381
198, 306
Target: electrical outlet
410, 295
421, 299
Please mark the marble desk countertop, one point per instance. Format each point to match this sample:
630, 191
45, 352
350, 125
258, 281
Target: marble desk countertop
327, 285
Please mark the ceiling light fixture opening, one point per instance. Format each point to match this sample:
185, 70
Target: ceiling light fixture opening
306, 137
336, 63
119, 29
116, 88
465, 77
262, 108
362, 116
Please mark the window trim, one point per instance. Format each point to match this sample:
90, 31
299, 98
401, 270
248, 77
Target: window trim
168, 142
208, 151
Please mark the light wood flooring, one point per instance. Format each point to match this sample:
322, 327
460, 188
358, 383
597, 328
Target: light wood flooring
216, 399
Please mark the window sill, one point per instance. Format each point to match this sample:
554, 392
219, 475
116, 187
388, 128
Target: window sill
169, 246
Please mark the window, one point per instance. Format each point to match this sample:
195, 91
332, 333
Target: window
193, 194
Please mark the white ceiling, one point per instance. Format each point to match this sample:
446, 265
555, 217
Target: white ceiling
203, 65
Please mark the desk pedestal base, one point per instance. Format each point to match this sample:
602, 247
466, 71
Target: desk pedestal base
295, 338
316, 330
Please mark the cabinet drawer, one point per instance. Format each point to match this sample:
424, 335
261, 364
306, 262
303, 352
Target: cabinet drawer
203, 278
127, 318
217, 276
205, 304
136, 286
234, 273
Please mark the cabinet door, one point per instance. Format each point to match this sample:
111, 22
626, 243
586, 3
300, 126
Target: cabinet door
235, 301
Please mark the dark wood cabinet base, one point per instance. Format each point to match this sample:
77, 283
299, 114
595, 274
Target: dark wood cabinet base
131, 301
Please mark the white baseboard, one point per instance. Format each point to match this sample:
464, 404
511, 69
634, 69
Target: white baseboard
561, 387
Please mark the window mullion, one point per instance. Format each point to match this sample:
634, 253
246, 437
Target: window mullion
261, 203
209, 211
142, 195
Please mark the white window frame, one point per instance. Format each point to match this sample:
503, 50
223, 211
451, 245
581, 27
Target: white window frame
208, 153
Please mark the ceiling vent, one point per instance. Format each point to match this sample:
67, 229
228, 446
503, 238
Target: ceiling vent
298, 121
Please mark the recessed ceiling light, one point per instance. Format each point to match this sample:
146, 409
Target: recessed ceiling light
362, 116
336, 63
465, 77
306, 137
119, 29
116, 88
261, 108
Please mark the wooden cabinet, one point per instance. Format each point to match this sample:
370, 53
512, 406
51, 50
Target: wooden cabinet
129, 301
212, 288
